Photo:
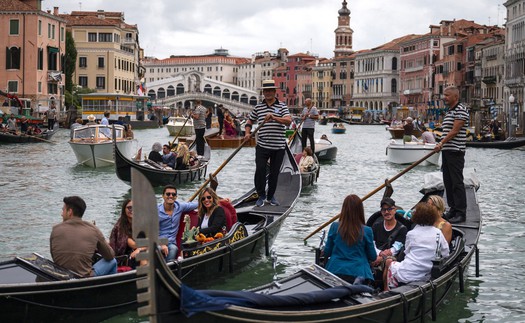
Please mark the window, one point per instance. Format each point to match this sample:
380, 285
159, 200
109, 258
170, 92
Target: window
105, 37
52, 88
92, 37
62, 34
40, 58
48, 30
100, 62
82, 62
14, 27
40, 28
53, 31
52, 56
12, 86
39, 84
101, 82
83, 81
12, 60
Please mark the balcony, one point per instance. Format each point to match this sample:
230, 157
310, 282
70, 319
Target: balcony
414, 69
54, 76
412, 91
128, 42
489, 80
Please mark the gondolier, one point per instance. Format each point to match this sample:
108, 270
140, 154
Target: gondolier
271, 141
453, 155
199, 123
310, 115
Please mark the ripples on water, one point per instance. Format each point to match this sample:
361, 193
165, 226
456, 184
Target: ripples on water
36, 177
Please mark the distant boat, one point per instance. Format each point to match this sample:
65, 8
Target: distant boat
338, 128
11, 138
93, 145
175, 124
508, 143
410, 152
324, 149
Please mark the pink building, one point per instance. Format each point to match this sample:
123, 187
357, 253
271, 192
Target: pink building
35, 42
286, 78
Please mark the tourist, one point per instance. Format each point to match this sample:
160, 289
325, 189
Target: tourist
309, 116
441, 224
220, 118
183, 157
170, 212
91, 120
105, 122
128, 132
74, 242
229, 124
389, 234
212, 218
427, 136
420, 249
121, 237
11, 124
51, 116
408, 129
271, 142
168, 158
307, 162
453, 146
199, 123
154, 154
350, 244
209, 115
77, 124
24, 124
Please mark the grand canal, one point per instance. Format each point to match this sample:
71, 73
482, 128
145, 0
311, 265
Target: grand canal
35, 177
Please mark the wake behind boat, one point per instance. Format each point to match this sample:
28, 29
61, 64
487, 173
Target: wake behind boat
314, 294
93, 145
34, 289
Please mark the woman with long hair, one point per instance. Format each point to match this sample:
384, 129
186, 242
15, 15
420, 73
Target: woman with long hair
441, 224
183, 157
121, 238
229, 124
350, 243
212, 218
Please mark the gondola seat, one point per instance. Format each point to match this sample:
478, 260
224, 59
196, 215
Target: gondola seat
230, 212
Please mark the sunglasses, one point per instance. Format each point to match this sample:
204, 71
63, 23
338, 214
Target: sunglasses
206, 198
129, 208
387, 209
170, 194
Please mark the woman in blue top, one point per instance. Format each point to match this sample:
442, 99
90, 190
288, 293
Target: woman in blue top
350, 244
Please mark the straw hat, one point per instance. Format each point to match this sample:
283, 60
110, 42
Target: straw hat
91, 117
268, 85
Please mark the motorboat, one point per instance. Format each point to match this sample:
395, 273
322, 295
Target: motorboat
325, 149
180, 126
410, 152
338, 128
93, 144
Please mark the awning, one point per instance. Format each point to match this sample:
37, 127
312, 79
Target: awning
52, 49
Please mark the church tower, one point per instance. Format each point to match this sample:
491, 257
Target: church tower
343, 33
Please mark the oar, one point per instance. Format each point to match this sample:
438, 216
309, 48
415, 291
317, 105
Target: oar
49, 141
373, 192
225, 162
295, 132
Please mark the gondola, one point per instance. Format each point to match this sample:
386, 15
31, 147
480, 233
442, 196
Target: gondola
310, 177
509, 143
315, 295
34, 289
11, 138
155, 173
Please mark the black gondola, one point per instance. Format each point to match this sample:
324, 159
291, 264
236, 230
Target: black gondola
309, 177
33, 289
156, 174
509, 143
11, 138
315, 295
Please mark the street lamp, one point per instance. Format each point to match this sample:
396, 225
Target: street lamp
511, 116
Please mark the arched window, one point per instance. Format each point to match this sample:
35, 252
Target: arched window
12, 58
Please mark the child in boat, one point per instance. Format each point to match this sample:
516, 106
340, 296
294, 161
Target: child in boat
421, 245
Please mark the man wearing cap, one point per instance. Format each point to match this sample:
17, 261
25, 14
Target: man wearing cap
199, 123
409, 128
271, 141
389, 234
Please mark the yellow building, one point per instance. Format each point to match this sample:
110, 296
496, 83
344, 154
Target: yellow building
322, 84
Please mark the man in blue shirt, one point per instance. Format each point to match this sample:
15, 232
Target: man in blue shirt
169, 218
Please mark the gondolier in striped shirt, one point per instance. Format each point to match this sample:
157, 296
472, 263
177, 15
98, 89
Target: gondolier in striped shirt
452, 148
271, 141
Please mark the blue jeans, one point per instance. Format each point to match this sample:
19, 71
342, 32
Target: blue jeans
105, 267
172, 252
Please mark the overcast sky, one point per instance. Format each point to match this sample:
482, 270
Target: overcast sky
244, 27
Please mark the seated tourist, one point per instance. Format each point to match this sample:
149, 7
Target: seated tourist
389, 234
229, 124
350, 244
155, 154
74, 242
121, 238
441, 224
169, 158
194, 161
420, 249
183, 157
211, 215
307, 162
128, 133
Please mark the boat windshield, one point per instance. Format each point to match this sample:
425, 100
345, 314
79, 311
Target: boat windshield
97, 132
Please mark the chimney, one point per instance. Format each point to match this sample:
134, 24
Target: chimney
55, 11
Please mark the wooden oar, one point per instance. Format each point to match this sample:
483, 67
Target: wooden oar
295, 132
225, 162
373, 192
49, 141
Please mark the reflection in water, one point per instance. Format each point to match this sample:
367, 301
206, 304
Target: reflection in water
36, 177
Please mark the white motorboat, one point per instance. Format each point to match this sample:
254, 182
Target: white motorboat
175, 124
324, 149
93, 145
410, 152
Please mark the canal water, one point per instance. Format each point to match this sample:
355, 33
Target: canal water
35, 177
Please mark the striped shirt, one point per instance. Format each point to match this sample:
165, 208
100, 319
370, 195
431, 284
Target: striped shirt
457, 143
271, 135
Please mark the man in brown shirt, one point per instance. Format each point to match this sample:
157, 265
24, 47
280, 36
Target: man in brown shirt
73, 242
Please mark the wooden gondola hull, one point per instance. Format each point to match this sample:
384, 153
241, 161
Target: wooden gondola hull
10, 138
510, 143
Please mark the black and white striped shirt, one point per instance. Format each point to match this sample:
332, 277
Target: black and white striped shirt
271, 135
459, 112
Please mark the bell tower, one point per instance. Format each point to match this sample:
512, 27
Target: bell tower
343, 33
